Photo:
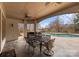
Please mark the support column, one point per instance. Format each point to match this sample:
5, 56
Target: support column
25, 28
35, 26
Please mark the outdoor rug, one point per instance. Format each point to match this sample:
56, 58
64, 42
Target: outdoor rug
9, 53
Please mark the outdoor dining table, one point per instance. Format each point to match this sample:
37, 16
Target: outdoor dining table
38, 40
43, 40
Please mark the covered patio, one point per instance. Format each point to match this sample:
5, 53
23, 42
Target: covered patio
30, 14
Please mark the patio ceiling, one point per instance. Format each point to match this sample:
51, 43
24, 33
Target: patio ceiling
34, 10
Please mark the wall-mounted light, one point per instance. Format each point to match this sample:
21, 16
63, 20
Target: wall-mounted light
11, 25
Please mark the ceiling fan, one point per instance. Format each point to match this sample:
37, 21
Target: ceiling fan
47, 3
28, 17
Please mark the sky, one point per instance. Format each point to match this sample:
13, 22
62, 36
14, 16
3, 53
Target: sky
65, 19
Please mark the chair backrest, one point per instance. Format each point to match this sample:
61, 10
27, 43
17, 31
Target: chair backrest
51, 43
30, 34
30, 39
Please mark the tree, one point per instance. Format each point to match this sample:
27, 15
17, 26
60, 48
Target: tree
76, 22
57, 24
54, 26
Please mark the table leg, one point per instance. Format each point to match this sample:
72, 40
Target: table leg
40, 47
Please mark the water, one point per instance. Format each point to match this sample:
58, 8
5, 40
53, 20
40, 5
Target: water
64, 35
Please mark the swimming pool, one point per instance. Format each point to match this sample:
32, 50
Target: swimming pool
64, 35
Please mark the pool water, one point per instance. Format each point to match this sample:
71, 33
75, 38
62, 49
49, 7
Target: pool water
64, 35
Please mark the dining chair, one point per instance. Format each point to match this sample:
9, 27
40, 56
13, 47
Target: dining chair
49, 45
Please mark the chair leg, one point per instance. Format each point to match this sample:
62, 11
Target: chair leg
29, 48
33, 51
50, 53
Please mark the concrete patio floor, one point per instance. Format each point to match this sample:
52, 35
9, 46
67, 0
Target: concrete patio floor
63, 47
66, 47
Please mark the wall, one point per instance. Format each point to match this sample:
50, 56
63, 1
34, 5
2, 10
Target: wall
0, 31
12, 30
2, 28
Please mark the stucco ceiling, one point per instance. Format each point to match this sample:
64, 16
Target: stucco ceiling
34, 10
